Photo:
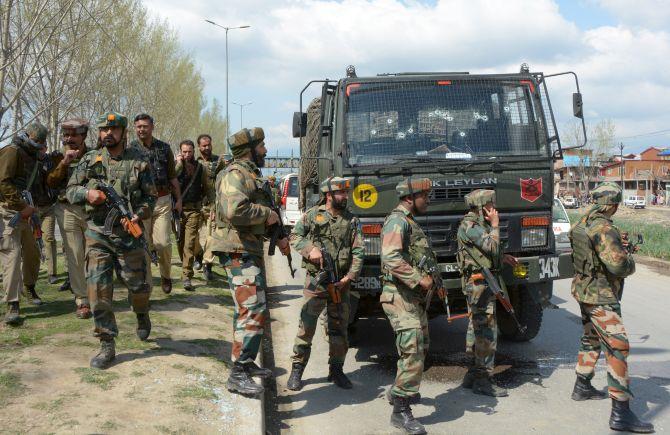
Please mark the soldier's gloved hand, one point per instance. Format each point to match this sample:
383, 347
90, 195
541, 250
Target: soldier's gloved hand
315, 256
27, 212
95, 197
272, 219
426, 283
283, 246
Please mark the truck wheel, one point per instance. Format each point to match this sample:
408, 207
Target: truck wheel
527, 310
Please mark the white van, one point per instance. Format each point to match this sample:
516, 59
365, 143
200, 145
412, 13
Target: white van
289, 194
561, 226
635, 201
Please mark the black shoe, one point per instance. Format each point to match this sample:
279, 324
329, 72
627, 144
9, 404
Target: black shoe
584, 390
34, 297
166, 285
484, 385
337, 376
240, 382
188, 286
106, 355
253, 370
414, 400
295, 379
623, 419
65, 286
468, 379
207, 272
13, 315
402, 417
143, 326
53, 279
197, 265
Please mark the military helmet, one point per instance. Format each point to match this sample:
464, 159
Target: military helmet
479, 197
607, 193
79, 125
112, 119
245, 139
410, 186
332, 184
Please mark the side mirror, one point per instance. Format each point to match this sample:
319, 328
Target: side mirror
299, 124
577, 107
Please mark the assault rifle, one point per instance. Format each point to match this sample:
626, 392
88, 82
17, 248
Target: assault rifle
327, 276
631, 246
277, 230
494, 286
35, 223
117, 207
431, 268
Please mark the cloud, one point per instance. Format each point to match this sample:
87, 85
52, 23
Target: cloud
653, 14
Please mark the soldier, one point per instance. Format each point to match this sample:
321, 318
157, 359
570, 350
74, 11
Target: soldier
403, 244
195, 187
272, 181
45, 199
125, 169
329, 226
159, 225
602, 261
72, 217
242, 218
18, 170
479, 246
210, 163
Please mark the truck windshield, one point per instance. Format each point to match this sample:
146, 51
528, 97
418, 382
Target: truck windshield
441, 120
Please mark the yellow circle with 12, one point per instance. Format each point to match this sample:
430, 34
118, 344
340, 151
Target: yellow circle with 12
365, 195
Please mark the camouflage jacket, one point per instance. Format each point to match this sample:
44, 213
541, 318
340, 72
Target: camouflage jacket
403, 245
340, 235
478, 245
58, 177
601, 247
161, 161
242, 208
17, 164
128, 173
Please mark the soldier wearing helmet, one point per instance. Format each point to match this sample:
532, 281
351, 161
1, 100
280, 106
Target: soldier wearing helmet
243, 215
108, 243
19, 171
479, 246
601, 263
330, 227
403, 246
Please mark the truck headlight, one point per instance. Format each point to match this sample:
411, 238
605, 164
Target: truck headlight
372, 245
533, 237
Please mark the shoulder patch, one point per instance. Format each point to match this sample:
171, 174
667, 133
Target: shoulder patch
319, 218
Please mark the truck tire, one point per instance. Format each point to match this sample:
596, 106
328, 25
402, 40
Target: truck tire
310, 148
528, 311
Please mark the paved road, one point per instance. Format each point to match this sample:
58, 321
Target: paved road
539, 374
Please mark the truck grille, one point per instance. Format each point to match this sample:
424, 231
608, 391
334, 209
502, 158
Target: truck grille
450, 193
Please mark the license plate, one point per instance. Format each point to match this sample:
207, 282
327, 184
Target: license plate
367, 283
548, 267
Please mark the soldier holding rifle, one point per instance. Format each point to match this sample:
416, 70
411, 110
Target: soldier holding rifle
330, 240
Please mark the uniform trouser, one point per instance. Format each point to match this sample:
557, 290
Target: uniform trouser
158, 229
247, 283
48, 220
190, 226
101, 257
30, 255
72, 223
10, 256
604, 331
315, 300
410, 324
482, 308
205, 243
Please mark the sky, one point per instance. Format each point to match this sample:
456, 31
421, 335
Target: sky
620, 53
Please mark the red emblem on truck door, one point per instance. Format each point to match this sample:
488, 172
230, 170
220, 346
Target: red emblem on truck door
531, 188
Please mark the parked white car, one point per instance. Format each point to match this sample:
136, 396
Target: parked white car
560, 225
570, 202
635, 201
289, 194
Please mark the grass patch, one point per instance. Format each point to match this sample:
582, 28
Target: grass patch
10, 386
195, 392
137, 373
96, 377
110, 425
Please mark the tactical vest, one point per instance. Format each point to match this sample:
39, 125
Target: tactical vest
418, 244
468, 251
157, 156
584, 257
194, 193
336, 237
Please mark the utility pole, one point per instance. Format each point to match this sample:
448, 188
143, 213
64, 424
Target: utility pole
622, 167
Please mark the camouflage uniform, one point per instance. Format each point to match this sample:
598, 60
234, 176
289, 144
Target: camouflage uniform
130, 175
403, 244
341, 236
479, 246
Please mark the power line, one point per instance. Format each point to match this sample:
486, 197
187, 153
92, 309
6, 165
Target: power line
651, 133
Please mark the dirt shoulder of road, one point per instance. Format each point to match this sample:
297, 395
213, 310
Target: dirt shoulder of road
172, 383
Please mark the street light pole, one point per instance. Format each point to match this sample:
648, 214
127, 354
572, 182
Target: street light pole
242, 107
227, 29
623, 167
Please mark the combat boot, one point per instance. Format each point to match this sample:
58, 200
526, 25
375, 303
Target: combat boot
414, 400
253, 370
65, 286
33, 296
207, 272
623, 419
240, 382
166, 285
337, 376
187, 285
484, 385
584, 390
13, 315
143, 326
402, 417
106, 355
295, 379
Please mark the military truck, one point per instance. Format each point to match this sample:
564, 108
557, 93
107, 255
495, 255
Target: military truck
463, 131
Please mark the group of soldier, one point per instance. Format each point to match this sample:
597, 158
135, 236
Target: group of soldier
227, 212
